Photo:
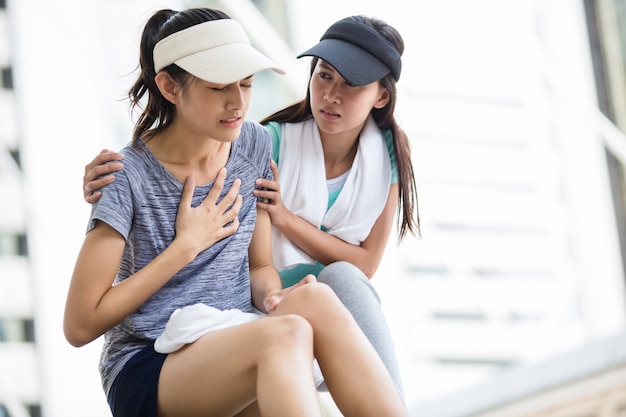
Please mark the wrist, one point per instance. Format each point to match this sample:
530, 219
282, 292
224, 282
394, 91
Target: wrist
281, 219
183, 250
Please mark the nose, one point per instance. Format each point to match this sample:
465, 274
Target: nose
332, 94
236, 98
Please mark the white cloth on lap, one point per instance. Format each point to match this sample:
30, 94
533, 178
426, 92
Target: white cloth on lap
188, 324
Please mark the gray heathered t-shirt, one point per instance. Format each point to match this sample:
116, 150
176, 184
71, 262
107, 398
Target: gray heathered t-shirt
141, 205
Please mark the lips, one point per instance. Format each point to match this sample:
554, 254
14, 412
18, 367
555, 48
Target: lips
231, 120
329, 113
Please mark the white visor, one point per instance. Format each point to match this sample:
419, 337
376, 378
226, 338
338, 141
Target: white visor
217, 51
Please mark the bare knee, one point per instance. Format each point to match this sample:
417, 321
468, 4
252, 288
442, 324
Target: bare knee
288, 332
316, 292
317, 301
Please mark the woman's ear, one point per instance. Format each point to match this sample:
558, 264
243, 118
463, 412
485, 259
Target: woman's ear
383, 98
167, 86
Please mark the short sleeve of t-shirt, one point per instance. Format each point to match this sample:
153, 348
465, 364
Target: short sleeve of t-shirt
115, 208
392, 155
273, 128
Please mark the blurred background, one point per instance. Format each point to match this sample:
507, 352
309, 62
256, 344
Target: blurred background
513, 301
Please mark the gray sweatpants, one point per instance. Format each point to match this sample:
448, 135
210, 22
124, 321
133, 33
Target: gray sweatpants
359, 296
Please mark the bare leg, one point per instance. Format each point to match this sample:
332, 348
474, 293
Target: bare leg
250, 411
270, 361
225, 371
354, 373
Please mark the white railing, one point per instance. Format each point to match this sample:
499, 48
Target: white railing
614, 139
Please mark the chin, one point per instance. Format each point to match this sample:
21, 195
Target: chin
230, 135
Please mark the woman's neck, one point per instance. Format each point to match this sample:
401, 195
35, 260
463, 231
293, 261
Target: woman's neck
185, 155
339, 152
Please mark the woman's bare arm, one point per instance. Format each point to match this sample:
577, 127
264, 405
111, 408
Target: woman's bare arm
94, 305
322, 246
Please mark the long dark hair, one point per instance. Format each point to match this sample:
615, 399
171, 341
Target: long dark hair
408, 215
158, 112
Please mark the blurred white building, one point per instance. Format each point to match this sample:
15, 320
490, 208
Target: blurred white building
512, 110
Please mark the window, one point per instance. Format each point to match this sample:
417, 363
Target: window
606, 21
8, 244
34, 410
15, 154
13, 244
7, 77
17, 330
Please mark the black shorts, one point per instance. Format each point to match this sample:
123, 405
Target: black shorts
134, 391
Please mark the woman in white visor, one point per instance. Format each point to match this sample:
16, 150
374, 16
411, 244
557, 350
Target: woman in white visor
176, 267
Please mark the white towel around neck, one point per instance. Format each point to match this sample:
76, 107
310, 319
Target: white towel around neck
302, 177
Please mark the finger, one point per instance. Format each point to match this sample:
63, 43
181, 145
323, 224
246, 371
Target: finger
274, 168
265, 195
231, 196
216, 190
266, 182
271, 302
187, 196
98, 171
238, 203
106, 169
99, 183
93, 197
232, 223
306, 280
262, 206
107, 155
104, 156
231, 214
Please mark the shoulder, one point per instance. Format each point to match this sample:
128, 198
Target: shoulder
254, 144
250, 128
254, 136
134, 155
388, 135
135, 162
274, 130
127, 178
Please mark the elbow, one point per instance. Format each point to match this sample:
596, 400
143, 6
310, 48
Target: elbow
77, 336
75, 339
367, 268
75, 342
369, 271
367, 261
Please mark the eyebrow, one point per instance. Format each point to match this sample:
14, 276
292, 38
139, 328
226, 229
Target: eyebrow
326, 65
